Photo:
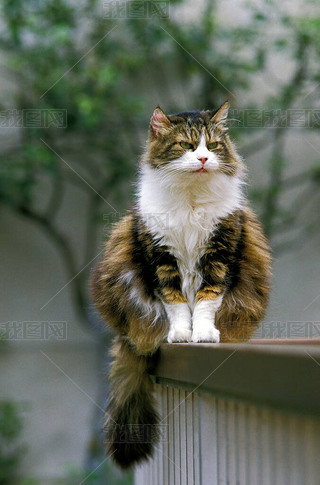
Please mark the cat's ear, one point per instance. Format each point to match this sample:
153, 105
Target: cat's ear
221, 114
159, 122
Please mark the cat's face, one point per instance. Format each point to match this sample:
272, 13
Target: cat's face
192, 144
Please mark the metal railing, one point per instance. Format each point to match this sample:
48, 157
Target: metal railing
237, 415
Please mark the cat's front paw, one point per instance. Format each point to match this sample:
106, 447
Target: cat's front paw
205, 333
182, 334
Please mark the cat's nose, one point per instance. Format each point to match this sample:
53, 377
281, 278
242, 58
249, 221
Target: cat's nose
202, 160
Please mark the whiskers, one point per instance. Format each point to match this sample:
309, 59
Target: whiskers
226, 167
172, 174
234, 119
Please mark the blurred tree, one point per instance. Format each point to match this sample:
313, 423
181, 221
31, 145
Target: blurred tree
10, 449
107, 73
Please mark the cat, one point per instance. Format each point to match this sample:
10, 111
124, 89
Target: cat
188, 263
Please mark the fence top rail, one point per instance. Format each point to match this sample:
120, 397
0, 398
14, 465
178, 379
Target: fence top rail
260, 372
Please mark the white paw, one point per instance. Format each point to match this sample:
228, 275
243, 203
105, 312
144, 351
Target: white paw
182, 334
205, 333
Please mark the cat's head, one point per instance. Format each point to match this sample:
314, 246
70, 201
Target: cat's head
192, 144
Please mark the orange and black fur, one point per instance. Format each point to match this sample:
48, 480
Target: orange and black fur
188, 262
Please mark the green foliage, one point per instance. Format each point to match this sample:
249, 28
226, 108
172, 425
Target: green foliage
103, 473
108, 74
10, 450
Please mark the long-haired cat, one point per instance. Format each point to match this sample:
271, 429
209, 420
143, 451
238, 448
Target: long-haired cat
188, 263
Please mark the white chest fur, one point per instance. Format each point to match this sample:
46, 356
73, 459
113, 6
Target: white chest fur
184, 213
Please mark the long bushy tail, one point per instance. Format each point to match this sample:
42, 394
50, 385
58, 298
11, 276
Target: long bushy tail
131, 418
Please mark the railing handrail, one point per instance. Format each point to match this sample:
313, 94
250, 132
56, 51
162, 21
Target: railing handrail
284, 376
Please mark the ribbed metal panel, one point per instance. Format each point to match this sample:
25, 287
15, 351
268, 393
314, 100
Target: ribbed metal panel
213, 440
164, 446
189, 443
183, 439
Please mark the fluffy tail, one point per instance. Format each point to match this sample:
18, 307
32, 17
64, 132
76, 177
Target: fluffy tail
131, 419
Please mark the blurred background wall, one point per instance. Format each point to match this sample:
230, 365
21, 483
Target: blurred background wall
78, 84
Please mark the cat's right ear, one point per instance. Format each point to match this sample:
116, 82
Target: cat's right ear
221, 114
159, 123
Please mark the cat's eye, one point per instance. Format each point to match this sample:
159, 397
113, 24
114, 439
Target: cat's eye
186, 145
214, 145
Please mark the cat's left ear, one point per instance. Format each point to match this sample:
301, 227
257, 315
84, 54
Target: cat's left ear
159, 122
221, 114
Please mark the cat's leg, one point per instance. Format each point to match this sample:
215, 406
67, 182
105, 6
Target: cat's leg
245, 303
204, 329
179, 317
146, 335
209, 299
174, 302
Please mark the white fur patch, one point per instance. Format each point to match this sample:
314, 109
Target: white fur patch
183, 208
204, 329
126, 276
179, 316
149, 308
